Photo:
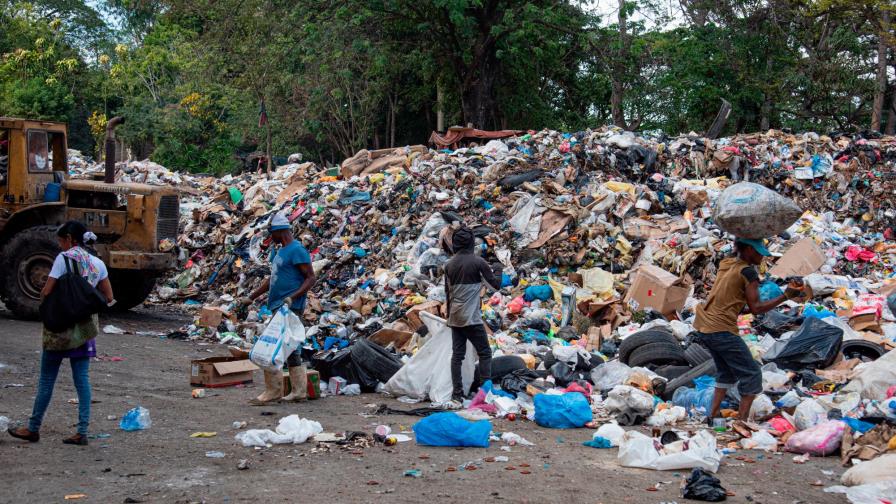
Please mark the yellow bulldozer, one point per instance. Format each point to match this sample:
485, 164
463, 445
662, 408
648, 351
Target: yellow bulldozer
136, 224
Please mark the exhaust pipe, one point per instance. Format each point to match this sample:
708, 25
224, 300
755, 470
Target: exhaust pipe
110, 148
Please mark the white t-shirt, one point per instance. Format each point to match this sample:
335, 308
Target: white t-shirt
59, 268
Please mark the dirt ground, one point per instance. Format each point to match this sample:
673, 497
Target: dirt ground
163, 464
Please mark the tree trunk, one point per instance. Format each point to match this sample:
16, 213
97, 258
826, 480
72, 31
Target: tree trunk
440, 107
880, 87
618, 89
391, 122
270, 160
478, 97
891, 113
766, 109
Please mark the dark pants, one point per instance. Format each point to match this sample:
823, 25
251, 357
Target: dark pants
476, 335
734, 362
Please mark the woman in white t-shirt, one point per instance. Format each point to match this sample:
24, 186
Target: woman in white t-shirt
73, 239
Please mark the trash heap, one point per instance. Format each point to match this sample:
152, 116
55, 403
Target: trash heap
606, 241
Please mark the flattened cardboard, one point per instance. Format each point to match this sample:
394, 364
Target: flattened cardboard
804, 258
656, 288
213, 372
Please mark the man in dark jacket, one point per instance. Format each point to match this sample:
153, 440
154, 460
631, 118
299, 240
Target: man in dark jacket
464, 274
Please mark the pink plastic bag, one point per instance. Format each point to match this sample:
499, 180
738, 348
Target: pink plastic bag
781, 424
820, 440
478, 402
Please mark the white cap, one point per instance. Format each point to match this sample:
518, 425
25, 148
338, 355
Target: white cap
278, 222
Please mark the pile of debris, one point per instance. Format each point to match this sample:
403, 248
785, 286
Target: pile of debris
606, 243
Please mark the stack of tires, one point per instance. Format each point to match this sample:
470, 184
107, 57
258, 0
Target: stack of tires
660, 351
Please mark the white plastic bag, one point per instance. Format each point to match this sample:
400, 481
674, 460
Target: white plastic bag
610, 374
428, 373
872, 493
773, 379
611, 431
760, 440
291, 429
809, 414
283, 335
762, 406
624, 397
638, 450
668, 416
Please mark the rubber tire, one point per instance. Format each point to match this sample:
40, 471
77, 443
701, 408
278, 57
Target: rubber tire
696, 354
130, 288
39, 240
861, 348
638, 339
670, 372
658, 353
687, 379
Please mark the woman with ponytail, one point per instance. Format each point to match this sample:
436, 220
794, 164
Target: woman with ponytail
75, 242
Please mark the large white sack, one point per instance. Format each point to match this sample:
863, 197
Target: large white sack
749, 210
882, 468
638, 450
873, 379
428, 373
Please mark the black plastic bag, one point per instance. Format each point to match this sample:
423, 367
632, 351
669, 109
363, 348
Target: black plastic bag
814, 345
73, 300
373, 363
777, 323
504, 365
517, 381
563, 374
703, 486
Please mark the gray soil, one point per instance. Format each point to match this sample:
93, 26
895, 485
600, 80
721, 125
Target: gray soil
164, 464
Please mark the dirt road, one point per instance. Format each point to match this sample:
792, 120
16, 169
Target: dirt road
163, 464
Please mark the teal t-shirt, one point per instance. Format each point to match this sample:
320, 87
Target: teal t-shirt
286, 277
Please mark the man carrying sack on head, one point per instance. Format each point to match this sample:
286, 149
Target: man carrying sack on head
736, 286
291, 278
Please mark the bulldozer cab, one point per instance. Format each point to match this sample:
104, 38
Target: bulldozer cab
32, 156
136, 224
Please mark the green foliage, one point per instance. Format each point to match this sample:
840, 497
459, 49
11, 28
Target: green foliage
340, 75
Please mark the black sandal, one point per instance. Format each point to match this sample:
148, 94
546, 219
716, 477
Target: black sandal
77, 439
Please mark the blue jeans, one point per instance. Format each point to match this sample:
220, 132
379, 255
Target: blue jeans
49, 370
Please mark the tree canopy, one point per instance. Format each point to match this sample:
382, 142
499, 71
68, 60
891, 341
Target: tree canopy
335, 76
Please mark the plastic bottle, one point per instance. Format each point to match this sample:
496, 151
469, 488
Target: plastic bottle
136, 419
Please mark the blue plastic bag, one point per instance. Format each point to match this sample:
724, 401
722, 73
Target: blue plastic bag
564, 411
699, 398
449, 429
540, 292
136, 419
599, 442
769, 290
812, 311
858, 425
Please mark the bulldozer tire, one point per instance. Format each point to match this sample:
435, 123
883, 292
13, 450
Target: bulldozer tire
130, 288
26, 260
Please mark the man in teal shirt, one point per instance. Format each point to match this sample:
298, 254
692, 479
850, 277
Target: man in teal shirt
291, 278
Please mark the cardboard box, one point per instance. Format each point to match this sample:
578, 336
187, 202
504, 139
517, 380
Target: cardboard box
656, 288
802, 259
385, 337
211, 316
213, 372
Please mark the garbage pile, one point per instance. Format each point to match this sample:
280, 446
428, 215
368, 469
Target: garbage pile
606, 242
